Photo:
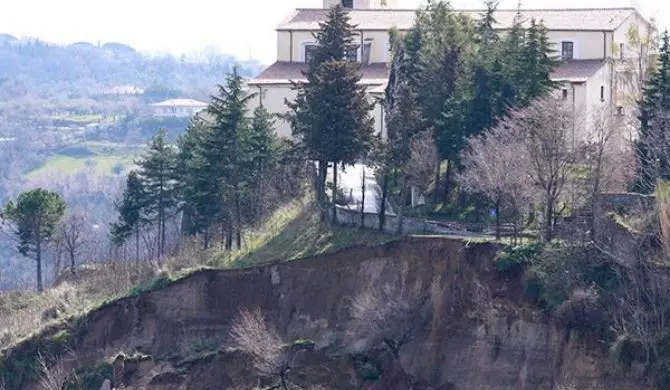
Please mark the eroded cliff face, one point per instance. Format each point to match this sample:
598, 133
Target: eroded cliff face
481, 333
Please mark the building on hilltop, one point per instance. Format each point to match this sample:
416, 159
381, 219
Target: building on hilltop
178, 108
592, 44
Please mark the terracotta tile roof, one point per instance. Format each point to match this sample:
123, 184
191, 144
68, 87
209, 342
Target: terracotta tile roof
597, 19
577, 70
284, 72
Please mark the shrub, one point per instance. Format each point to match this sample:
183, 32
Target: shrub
582, 310
515, 256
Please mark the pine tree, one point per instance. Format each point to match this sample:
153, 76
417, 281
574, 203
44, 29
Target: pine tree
331, 113
189, 169
157, 173
130, 210
222, 153
34, 218
653, 162
261, 156
514, 46
539, 62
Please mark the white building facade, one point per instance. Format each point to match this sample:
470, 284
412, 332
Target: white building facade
591, 42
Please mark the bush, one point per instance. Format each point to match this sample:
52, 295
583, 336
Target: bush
515, 256
582, 310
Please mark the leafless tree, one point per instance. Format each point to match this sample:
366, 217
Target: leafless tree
609, 154
389, 316
54, 376
633, 66
422, 164
495, 165
73, 235
548, 126
269, 354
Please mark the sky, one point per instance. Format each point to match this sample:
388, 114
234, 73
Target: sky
243, 28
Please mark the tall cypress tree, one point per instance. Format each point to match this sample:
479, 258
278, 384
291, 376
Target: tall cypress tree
331, 113
654, 108
157, 173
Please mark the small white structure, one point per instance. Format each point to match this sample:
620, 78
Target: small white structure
178, 108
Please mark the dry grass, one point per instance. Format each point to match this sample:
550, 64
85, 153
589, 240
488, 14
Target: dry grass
24, 313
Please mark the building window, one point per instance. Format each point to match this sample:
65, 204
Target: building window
352, 53
309, 52
602, 93
565, 93
567, 50
348, 3
366, 53
621, 50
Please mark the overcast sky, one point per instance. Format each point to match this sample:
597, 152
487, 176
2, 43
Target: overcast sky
244, 28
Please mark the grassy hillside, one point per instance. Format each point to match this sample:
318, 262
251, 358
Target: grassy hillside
292, 232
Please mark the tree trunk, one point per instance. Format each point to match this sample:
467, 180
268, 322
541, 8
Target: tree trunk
498, 219
549, 220
187, 223
334, 196
238, 220
447, 183
137, 244
436, 191
403, 205
72, 262
229, 239
321, 188
382, 206
38, 257
363, 199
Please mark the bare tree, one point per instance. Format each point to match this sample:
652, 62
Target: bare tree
494, 165
390, 317
608, 156
73, 235
423, 160
56, 375
548, 126
269, 354
633, 65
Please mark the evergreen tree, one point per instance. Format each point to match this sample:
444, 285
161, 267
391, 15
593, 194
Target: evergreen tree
261, 156
331, 113
539, 61
223, 154
34, 218
157, 173
130, 210
513, 47
653, 161
189, 169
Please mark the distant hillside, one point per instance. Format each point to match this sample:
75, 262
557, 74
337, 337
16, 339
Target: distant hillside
36, 68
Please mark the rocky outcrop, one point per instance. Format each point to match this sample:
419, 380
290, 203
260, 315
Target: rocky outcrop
480, 334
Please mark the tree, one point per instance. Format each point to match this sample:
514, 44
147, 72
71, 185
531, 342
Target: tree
260, 158
546, 126
493, 165
34, 218
156, 171
223, 153
331, 113
131, 211
73, 235
269, 354
392, 318
654, 108
538, 62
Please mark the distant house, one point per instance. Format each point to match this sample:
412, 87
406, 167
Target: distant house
125, 90
178, 108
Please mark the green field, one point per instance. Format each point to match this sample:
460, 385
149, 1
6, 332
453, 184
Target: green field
103, 165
